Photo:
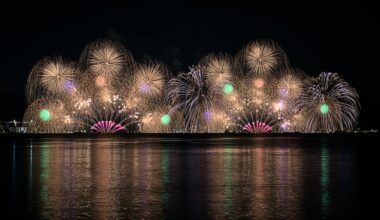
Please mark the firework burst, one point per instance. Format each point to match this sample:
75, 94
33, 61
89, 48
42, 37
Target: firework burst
260, 120
56, 76
46, 115
150, 79
263, 57
330, 104
218, 69
50, 77
290, 85
111, 116
107, 59
193, 94
286, 90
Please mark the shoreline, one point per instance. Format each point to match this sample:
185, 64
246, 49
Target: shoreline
183, 135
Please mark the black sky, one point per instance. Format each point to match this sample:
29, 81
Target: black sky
334, 37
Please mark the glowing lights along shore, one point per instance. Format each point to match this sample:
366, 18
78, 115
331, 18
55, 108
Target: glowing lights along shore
255, 91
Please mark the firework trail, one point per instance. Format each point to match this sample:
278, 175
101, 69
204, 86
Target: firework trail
193, 94
330, 104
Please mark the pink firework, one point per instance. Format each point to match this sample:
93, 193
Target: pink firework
257, 127
260, 120
107, 127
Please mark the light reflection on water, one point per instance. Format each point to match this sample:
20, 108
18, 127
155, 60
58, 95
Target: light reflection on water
325, 181
158, 178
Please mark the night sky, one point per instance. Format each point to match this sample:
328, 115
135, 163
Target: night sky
316, 37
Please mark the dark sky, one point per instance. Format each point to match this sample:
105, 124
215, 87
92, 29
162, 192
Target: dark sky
316, 37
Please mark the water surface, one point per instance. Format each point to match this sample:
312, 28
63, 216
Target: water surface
201, 177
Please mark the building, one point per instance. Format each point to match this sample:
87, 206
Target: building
12, 127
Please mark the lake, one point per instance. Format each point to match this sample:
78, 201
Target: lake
178, 177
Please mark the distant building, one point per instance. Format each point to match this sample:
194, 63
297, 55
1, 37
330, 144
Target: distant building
2, 127
13, 127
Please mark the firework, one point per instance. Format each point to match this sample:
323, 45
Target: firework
161, 120
193, 94
254, 92
259, 89
263, 57
80, 101
107, 127
57, 76
111, 116
218, 69
107, 58
290, 85
47, 115
136, 103
50, 77
286, 91
293, 123
150, 79
257, 113
330, 104
217, 121
260, 120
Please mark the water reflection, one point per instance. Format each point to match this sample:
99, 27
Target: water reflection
14, 177
44, 183
165, 164
228, 202
116, 179
325, 200
30, 179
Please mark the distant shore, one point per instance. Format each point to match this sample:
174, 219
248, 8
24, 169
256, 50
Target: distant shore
183, 135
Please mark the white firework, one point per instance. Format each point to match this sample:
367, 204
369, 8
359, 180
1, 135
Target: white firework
192, 94
218, 69
57, 76
51, 77
150, 79
107, 58
290, 85
329, 104
263, 57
